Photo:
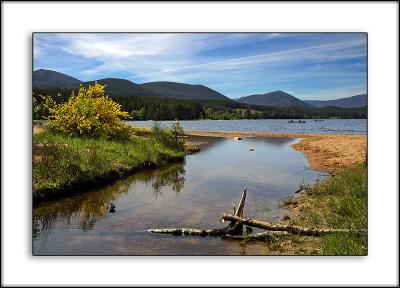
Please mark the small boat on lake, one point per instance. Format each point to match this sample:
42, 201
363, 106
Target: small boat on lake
299, 121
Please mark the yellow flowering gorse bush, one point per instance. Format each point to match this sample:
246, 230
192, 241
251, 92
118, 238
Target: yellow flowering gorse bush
88, 113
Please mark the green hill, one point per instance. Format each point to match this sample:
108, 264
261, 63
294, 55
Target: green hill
276, 98
184, 91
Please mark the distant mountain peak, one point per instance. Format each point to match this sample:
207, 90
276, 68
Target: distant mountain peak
123, 87
184, 91
277, 98
44, 78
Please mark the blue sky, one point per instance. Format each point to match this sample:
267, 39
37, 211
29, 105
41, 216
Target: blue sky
307, 65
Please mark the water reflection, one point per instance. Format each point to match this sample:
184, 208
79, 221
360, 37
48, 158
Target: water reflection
87, 208
275, 141
186, 194
172, 176
204, 142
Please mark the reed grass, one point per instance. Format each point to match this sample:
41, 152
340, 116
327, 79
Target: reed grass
339, 202
62, 163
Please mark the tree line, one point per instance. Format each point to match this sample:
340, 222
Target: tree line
147, 108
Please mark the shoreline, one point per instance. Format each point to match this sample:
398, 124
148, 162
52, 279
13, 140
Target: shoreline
334, 154
63, 165
228, 134
324, 152
85, 185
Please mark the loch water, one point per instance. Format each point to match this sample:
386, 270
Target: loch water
190, 194
310, 126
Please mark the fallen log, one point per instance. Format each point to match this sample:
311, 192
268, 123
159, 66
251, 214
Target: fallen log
255, 236
223, 233
289, 228
190, 231
234, 228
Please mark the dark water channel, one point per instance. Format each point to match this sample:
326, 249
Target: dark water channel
190, 194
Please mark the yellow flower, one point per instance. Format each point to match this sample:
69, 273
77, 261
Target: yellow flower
89, 112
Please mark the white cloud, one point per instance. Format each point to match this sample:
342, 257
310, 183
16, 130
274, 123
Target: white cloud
169, 53
204, 58
109, 46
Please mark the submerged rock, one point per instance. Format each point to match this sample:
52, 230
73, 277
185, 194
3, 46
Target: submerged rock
111, 208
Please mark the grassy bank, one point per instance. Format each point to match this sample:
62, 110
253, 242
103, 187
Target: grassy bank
63, 164
337, 202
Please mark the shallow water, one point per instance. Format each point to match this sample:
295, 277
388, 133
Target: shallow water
190, 194
327, 126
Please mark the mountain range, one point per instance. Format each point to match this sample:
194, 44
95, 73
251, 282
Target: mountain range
47, 79
348, 102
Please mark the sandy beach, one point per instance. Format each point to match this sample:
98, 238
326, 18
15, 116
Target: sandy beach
324, 152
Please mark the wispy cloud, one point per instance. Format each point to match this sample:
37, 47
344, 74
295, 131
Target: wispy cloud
316, 53
233, 62
111, 47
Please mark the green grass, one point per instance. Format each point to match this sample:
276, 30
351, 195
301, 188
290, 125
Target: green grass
339, 202
61, 162
345, 245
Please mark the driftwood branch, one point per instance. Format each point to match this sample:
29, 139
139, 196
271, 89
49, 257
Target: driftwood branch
289, 228
256, 236
189, 231
223, 233
235, 228
239, 211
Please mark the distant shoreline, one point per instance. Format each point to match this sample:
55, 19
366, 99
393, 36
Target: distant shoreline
228, 134
277, 127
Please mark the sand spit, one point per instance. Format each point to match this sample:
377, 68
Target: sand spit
324, 152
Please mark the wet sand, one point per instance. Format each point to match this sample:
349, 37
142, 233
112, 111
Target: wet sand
324, 152
333, 152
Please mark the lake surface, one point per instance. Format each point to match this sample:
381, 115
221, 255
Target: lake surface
190, 194
327, 126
